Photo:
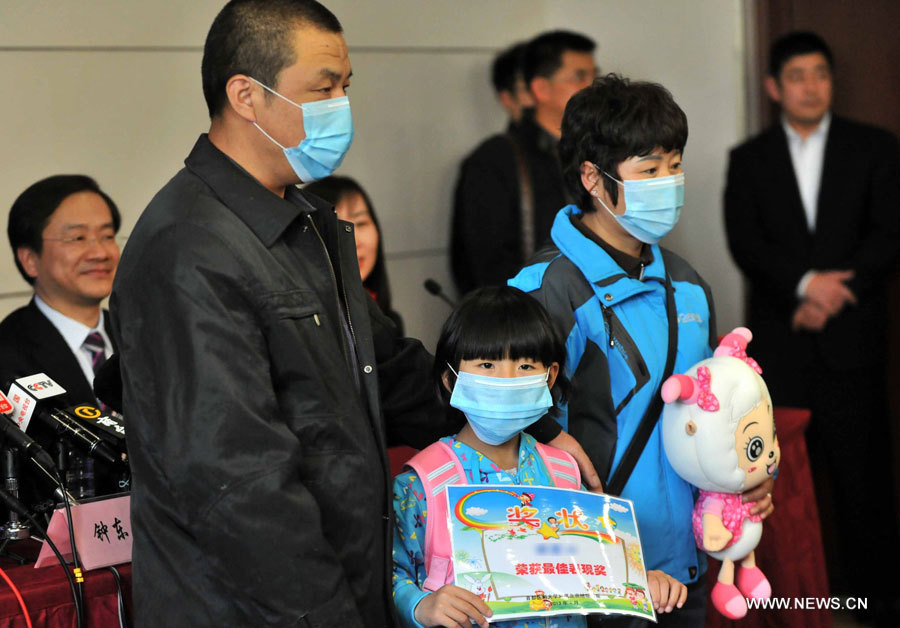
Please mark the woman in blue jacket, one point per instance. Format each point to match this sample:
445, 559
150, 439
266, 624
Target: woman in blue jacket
615, 294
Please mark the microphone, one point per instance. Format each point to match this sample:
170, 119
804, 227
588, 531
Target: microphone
9, 428
111, 426
435, 288
38, 396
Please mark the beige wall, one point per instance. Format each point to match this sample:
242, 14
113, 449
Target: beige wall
112, 88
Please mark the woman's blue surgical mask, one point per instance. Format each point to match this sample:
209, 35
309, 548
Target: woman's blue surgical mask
328, 125
652, 206
498, 408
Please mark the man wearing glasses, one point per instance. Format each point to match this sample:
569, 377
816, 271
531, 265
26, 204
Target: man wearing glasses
62, 231
511, 186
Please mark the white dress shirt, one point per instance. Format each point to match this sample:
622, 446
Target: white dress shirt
74, 334
808, 157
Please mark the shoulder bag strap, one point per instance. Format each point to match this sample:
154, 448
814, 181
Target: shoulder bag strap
629, 459
526, 202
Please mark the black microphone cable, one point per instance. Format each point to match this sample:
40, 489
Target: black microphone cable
15, 504
123, 612
76, 566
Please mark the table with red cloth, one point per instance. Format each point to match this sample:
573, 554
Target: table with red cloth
790, 552
48, 597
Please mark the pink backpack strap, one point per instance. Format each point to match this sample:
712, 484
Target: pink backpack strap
437, 467
561, 465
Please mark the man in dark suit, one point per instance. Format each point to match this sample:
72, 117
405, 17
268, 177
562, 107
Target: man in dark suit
62, 231
812, 211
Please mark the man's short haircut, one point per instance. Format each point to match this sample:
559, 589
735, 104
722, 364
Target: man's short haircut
254, 37
507, 68
793, 44
611, 121
543, 54
31, 212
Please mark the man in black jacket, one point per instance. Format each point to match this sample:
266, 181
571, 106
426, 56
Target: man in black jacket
812, 210
261, 384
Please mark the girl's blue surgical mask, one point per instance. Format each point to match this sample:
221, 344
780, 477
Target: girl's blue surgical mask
328, 125
498, 408
652, 206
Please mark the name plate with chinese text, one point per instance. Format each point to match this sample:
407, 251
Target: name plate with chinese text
102, 533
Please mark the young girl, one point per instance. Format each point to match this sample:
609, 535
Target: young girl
498, 334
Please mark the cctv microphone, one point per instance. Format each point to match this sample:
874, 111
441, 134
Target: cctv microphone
38, 396
9, 428
435, 288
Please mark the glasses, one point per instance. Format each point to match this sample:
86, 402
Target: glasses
82, 243
578, 76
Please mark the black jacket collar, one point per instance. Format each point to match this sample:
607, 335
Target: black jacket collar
267, 214
537, 135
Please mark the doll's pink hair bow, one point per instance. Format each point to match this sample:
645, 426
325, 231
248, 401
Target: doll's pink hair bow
706, 399
691, 390
735, 345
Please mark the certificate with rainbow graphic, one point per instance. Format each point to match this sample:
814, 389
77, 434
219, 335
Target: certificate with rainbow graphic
532, 551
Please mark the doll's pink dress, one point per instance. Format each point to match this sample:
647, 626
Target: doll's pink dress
727, 507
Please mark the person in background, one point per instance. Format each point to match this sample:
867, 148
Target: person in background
510, 187
62, 231
632, 312
353, 205
508, 79
812, 214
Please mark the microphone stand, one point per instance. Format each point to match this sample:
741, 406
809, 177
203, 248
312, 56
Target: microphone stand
14, 529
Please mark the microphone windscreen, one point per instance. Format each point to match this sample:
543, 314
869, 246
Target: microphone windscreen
433, 287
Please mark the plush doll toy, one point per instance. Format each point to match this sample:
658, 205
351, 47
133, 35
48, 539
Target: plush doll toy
719, 435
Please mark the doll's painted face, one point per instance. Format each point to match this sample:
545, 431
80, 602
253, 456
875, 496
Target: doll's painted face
757, 446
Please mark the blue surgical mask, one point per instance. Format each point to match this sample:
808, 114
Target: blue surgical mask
498, 408
328, 125
652, 206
